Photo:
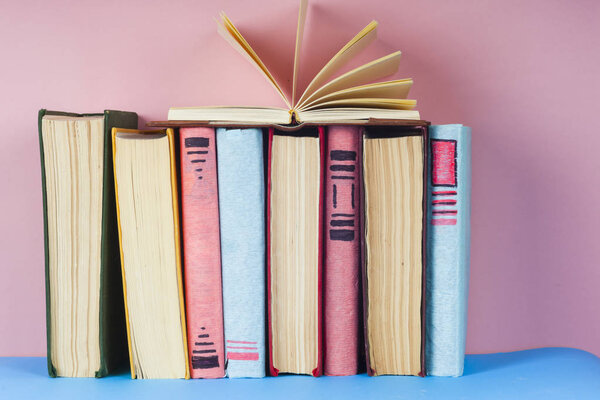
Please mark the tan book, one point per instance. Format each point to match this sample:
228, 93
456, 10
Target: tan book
393, 176
353, 97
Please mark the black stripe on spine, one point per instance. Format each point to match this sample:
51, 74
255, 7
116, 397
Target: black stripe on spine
196, 142
349, 222
342, 155
348, 168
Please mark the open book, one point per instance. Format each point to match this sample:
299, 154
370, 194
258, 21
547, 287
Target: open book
350, 97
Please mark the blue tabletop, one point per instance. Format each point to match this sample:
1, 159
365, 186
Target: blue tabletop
550, 373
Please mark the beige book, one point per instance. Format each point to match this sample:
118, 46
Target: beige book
148, 221
393, 194
294, 254
353, 97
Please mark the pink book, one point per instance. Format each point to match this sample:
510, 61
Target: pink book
342, 299
202, 252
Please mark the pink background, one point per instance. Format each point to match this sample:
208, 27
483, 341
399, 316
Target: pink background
522, 74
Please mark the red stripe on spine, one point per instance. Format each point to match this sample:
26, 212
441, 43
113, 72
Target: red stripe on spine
449, 202
444, 193
240, 341
445, 212
443, 222
242, 356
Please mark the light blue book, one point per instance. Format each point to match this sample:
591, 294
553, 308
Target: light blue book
448, 247
242, 218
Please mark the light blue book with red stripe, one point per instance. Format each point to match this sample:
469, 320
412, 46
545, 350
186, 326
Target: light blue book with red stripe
448, 248
242, 218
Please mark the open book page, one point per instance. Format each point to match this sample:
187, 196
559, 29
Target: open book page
369, 72
397, 89
299, 36
351, 49
230, 33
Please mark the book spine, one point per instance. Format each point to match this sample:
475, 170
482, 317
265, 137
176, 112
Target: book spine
202, 253
448, 245
341, 296
242, 217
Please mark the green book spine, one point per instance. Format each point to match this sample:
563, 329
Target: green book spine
113, 338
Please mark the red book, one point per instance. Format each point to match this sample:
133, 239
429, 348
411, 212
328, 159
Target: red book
286, 304
342, 300
202, 252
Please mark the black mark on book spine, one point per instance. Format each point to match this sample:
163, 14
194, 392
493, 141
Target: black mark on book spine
345, 235
353, 196
345, 222
196, 142
197, 161
342, 215
348, 168
341, 177
203, 351
334, 196
205, 362
342, 155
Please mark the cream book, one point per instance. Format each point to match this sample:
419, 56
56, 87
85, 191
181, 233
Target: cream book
353, 97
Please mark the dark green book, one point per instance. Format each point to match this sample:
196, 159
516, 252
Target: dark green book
85, 318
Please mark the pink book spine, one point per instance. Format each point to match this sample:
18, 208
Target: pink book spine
202, 252
342, 250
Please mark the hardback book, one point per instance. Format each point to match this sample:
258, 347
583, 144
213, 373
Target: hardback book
242, 215
342, 298
294, 254
394, 170
202, 252
355, 96
84, 302
148, 222
448, 245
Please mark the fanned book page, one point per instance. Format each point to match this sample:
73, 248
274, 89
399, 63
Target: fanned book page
294, 254
355, 96
242, 217
393, 192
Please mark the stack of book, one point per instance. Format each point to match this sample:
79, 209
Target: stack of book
329, 237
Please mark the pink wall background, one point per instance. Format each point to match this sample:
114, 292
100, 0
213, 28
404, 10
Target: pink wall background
523, 75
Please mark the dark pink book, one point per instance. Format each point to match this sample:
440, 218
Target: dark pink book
342, 299
202, 252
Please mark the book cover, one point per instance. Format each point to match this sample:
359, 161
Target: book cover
202, 252
242, 215
113, 346
273, 370
448, 248
341, 292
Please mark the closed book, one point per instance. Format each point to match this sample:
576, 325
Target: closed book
242, 215
202, 252
294, 250
148, 222
448, 246
394, 248
98, 344
341, 292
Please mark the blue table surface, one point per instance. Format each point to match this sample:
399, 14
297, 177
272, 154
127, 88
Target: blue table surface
548, 373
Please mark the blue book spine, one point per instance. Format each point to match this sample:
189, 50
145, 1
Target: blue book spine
448, 248
242, 219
